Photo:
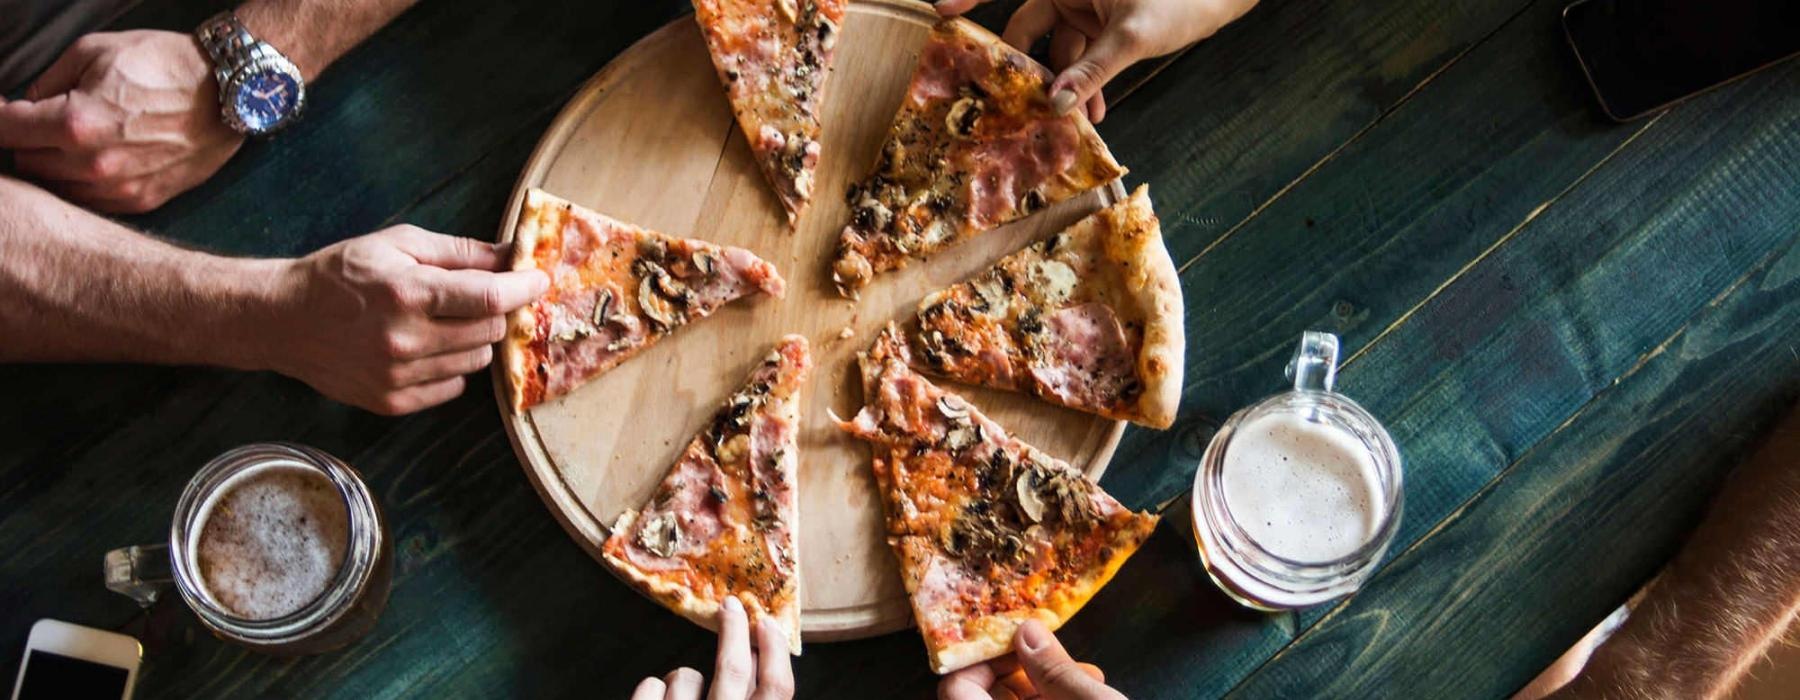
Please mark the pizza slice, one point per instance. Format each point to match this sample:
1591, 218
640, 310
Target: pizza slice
773, 56
975, 145
1089, 318
615, 289
724, 521
989, 531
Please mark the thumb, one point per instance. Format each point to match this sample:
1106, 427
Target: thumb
1113, 51
1051, 670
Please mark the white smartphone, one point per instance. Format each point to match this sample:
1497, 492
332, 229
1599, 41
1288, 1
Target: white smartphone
70, 661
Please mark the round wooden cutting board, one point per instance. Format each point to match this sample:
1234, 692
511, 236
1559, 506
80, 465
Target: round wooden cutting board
651, 140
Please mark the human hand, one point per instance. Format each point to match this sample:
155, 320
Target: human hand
391, 321
1038, 668
732, 680
122, 122
1092, 40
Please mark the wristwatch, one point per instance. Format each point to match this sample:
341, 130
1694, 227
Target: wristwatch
260, 90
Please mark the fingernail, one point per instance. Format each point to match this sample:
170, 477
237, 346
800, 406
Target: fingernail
1063, 101
734, 605
1034, 636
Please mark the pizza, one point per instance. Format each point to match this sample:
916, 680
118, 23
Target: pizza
772, 56
989, 531
976, 144
615, 289
1089, 318
724, 521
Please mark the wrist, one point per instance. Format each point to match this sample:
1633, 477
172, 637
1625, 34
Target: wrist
257, 298
279, 27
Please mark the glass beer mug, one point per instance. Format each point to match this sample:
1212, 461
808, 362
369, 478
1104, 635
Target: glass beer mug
1298, 495
278, 547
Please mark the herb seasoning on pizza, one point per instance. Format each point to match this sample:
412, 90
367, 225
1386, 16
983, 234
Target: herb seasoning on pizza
989, 531
1089, 318
976, 144
773, 56
724, 522
615, 289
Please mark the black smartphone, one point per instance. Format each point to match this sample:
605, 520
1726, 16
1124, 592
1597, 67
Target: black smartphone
1643, 55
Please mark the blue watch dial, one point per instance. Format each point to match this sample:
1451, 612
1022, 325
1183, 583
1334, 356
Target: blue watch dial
266, 98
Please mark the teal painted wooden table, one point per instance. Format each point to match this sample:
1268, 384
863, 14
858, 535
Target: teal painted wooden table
1573, 328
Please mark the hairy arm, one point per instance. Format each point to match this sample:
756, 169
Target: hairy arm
125, 121
390, 321
1726, 597
315, 33
75, 286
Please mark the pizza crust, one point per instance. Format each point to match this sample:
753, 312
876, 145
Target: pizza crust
1164, 352
535, 214
701, 611
993, 635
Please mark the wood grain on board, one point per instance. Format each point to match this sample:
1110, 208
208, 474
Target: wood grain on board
650, 140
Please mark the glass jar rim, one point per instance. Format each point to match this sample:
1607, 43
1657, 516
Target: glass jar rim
324, 609
1234, 537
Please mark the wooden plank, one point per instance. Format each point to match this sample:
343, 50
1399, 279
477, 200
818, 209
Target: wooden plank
1371, 233
1576, 524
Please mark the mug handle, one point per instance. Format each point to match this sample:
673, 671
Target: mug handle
139, 572
1315, 363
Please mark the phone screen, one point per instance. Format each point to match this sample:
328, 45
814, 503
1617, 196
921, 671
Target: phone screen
1644, 54
61, 677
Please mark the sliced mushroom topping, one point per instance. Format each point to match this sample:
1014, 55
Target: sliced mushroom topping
790, 9
828, 32
573, 333
1030, 504
952, 407
704, 263
871, 215
938, 231
602, 307
658, 309
962, 435
1031, 201
963, 115
652, 250
1054, 280
661, 535
994, 300
673, 288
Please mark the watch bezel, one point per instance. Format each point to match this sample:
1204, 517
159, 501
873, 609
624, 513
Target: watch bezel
265, 61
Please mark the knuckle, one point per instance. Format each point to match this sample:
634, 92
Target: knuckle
398, 345
1064, 675
398, 292
492, 301
494, 329
391, 404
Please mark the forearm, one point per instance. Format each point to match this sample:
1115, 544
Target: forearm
315, 33
78, 287
1724, 599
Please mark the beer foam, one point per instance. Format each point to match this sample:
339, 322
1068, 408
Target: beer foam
1302, 490
271, 539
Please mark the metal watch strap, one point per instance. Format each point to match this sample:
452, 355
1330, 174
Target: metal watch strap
229, 44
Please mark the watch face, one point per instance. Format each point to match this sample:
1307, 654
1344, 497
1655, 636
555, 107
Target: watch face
265, 98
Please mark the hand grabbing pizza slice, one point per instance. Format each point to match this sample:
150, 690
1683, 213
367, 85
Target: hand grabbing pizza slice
773, 56
615, 289
989, 531
724, 521
976, 144
1089, 318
